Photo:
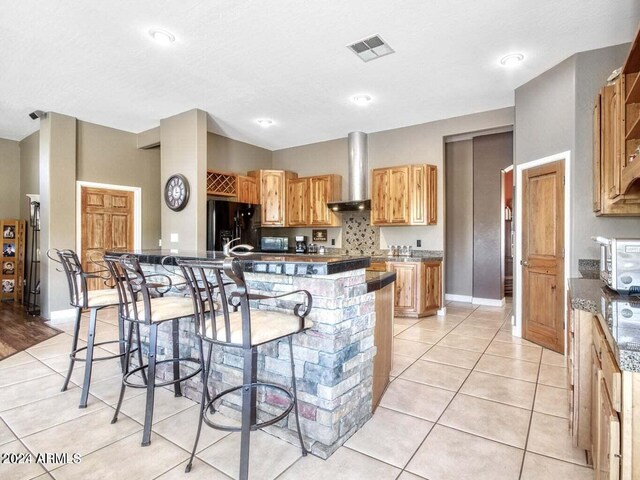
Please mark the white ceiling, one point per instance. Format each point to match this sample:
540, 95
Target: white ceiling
241, 60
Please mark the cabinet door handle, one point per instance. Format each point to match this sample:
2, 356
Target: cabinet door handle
524, 263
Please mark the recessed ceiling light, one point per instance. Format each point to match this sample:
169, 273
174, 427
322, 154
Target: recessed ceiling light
511, 60
264, 122
162, 37
362, 99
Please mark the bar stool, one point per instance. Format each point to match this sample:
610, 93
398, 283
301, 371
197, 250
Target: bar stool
81, 298
245, 329
141, 308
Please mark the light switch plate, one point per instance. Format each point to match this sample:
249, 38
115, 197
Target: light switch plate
174, 238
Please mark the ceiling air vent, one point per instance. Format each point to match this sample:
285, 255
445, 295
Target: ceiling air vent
371, 48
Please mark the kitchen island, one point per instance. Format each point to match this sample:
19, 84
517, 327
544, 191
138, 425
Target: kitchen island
334, 360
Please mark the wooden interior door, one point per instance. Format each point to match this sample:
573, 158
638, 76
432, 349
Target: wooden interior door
107, 224
543, 255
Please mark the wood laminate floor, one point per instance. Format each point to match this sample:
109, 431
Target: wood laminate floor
19, 331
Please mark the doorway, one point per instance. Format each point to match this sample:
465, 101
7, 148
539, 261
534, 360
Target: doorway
506, 231
108, 219
541, 251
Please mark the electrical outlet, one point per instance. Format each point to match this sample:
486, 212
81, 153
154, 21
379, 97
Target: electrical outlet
160, 242
333, 241
418, 243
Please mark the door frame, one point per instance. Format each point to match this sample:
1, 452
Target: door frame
137, 211
517, 268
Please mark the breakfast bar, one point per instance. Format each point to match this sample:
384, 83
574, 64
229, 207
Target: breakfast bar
334, 360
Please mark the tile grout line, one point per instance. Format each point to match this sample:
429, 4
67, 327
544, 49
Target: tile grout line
448, 404
533, 406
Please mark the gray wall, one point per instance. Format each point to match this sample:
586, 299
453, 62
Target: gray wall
554, 114
592, 69
9, 179
416, 144
459, 221
30, 171
491, 154
58, 201
184, 150
29, 183
110, 156
228, 155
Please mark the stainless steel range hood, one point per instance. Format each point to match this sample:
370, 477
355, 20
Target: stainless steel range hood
358, 176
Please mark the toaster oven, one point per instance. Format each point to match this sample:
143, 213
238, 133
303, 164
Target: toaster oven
620, 264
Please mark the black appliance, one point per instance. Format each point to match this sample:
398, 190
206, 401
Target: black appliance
274, 244
229, 220
301, 244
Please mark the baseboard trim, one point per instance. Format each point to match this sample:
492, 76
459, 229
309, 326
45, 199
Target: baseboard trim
62, 316
452, 297
489, 302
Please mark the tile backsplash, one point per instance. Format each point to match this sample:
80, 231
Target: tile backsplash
359, 237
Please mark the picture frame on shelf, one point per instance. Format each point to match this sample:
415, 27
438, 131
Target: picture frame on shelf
9, 231
8, 249
8, 285
8, 268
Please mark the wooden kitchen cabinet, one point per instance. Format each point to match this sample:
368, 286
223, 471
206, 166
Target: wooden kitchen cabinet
273, 194
418, 288
247, 190
404, 195
405, 297
322, 190
616, 135
379, 196
307, 199
297, 201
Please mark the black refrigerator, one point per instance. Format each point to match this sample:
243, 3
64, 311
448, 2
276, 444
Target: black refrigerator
229, 220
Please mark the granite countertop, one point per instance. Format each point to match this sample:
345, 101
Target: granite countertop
416, 256
611, 309
278, 264
378, 280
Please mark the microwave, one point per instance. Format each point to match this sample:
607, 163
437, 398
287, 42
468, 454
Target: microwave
620, 264
274, 244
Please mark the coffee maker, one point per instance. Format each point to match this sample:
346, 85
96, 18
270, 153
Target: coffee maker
301, 244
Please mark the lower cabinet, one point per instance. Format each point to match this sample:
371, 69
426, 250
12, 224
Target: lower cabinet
605, 401
418, 288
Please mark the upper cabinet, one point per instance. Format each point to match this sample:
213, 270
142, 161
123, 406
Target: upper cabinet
322, 190
272, 195
247, 190
616, 138
307, 200
404, 195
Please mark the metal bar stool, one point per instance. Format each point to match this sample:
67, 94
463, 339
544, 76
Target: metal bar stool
245, 329
140, 307
81, 298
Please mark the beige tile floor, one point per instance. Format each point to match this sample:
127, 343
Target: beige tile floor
467, 401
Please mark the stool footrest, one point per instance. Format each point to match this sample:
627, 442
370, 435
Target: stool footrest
115, 355
125, 378
257, 426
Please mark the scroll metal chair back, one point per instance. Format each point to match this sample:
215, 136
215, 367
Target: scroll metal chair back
81, 298
142, 302
216, 324
205, 285
75, 276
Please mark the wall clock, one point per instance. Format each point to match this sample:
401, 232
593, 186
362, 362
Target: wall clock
176, 192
